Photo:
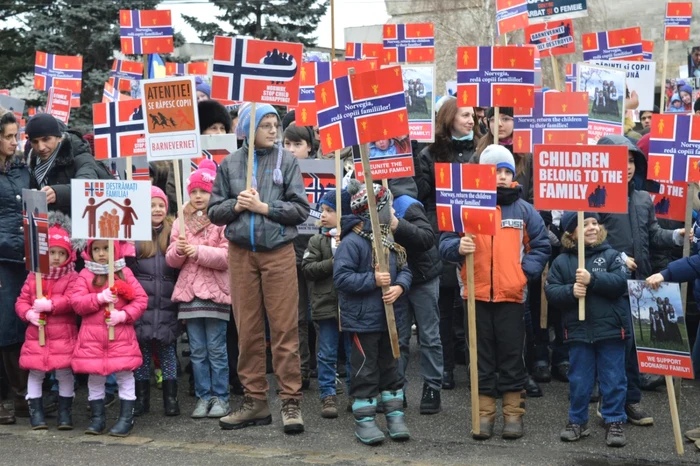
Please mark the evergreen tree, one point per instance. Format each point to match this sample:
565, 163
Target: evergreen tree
284, 20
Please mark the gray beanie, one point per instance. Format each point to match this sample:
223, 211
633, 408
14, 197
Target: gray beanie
498, 155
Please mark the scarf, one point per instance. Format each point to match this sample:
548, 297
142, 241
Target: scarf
42, 168
100, 269
326, 231
195, 220
387, 244
506, 141
57, 272
468, 137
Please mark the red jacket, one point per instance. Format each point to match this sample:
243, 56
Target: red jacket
61, 332
94, 353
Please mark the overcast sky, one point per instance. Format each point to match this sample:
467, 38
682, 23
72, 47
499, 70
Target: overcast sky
348, 13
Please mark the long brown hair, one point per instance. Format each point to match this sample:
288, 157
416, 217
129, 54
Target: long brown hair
159, 239
441, 149
98, 281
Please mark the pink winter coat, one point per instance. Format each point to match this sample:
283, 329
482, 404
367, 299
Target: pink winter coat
61, 331
206, 275
94, 353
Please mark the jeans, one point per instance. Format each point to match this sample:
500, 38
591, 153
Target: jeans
607, 359
423, 305
209, 357
328, 356
634, 392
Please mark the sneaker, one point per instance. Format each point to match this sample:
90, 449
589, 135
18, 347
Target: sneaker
532, 388
252, 412
219, 408
693, 435
561, 372
637, 416
329, 408
430, 401
291, 416
573, 432
614, 435
542, 374
201, 409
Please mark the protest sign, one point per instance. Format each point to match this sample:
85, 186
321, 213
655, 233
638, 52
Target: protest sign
606, 91
145, 31
618, 44
501, 76
119, 129
552, 39
388, 159
670, 201
361, 108
694, 62
319, 177
215, 147
312, 74
58, 104
409, 43
124, 73
36, 230
674, 148
170, 118
466, 198
541, 11
261, 71
677, 21
419, 89
106, 209
13, 104
198, 68
511, 15
557, 118
62, 71
641, 78
342, 68
648, 50
580, 178
571, 77
361, 50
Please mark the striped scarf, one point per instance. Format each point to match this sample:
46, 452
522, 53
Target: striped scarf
387, 244
57, 272
42, 168
103, 269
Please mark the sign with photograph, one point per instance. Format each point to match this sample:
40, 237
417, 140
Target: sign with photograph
606, 99
319, 177
419, 91
36, 230
388, 159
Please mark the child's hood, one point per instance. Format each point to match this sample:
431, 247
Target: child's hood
568, 242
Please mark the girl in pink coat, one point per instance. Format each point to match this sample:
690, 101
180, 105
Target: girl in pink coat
202, 291
55, 313
95, 354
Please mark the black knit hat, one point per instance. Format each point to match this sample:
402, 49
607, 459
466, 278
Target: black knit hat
288, 119
210, 112
41, 125
503, 111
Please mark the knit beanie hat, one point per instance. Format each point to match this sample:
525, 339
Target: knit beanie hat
359, 201
157, 192
59, 234
210, 112
261, 111
203, 177
41, 125
329, 200
569, 220
59, 238
498, 155
202, 86
288, 119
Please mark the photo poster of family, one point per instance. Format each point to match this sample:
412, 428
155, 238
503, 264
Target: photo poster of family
659, 329
116, 210
35, 214
640, 82
606, 99
388, 159
680, 95
419, 92
319, 177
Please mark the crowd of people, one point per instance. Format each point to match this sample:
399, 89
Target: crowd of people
225, 279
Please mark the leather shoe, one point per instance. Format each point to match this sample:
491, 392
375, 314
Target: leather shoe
532, 388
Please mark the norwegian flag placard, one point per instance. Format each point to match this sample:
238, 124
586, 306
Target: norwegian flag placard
250, 70
409, 43
361, 50
677, 20
465, 197
197, 68
571, 77
58, 104
319, 178
123, 73
361, 108
648, 50
669, 202
511, 15
619, 44
62, 71
312, 74
552, 39
674, 148
557, 118
119, 130
496, 76
146, 31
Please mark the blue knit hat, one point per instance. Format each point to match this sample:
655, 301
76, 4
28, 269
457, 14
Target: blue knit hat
261, 111
569, 220
329, 200
202, 86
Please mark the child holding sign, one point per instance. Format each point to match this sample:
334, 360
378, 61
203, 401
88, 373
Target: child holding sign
597, 344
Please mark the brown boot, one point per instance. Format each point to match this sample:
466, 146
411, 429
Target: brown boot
487, 417
6, 417
513, 412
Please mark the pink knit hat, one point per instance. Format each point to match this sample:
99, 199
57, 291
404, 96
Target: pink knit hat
157, 192
59, 238
203, 177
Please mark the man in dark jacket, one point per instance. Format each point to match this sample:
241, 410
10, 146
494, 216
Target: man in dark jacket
55, 159
413, 231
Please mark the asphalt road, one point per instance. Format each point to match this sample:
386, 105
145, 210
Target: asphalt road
438, 439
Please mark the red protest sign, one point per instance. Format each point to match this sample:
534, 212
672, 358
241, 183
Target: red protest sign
580, 178
618, 44
312, 74
342, 68
648, 50
669, 202
388, 159
677, 21
674, 148
119, 130
145, 31
361, 50
62, 71
552, 39
58, 104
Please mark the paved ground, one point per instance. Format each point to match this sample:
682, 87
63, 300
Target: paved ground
440, 439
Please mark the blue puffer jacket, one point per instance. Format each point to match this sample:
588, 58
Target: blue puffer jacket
359, 298
11, 230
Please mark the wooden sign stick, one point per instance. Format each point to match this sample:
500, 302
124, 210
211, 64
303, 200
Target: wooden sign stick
581, 263
473, 360
543, 300
674, 413
111, 282
42, 324
178, 197
251, 148
338, 200
557, 77
662, 103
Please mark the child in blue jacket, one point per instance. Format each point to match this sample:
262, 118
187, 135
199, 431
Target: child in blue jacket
359, 285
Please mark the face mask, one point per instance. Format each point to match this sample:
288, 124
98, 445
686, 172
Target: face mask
468, 137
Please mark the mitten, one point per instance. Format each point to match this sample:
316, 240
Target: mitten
43, 305
116, 318
33, 317
106, 296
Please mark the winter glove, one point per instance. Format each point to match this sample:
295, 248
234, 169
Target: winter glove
33, 317
43, 305
106, 296
116, 318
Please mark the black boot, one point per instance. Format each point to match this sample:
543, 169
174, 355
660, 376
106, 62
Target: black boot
171, 406
126, 419
97, 418
143, 397
65, 413
36, 414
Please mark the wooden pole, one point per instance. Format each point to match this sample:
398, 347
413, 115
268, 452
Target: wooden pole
674, 413
581, 263
111, 282
473, 360
338, 202
381, 258
662, 104
544, 308
251, 148
496, 123
42, 322
557, 77
178, 197
333, 31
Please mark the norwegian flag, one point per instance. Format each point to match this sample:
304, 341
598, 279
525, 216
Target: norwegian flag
62, 71
198, 68
140, 174
109, 94
119, 130
557, 118
677, 20
466, 197
362, 50
511, 15
312, 74
175, 69
94, 189
674, 148
571, 79
124, 72
501, 76
361, 108
316, 185
145, 31
619, 44
409, 43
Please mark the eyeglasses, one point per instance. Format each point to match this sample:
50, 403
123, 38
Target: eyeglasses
269, 126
